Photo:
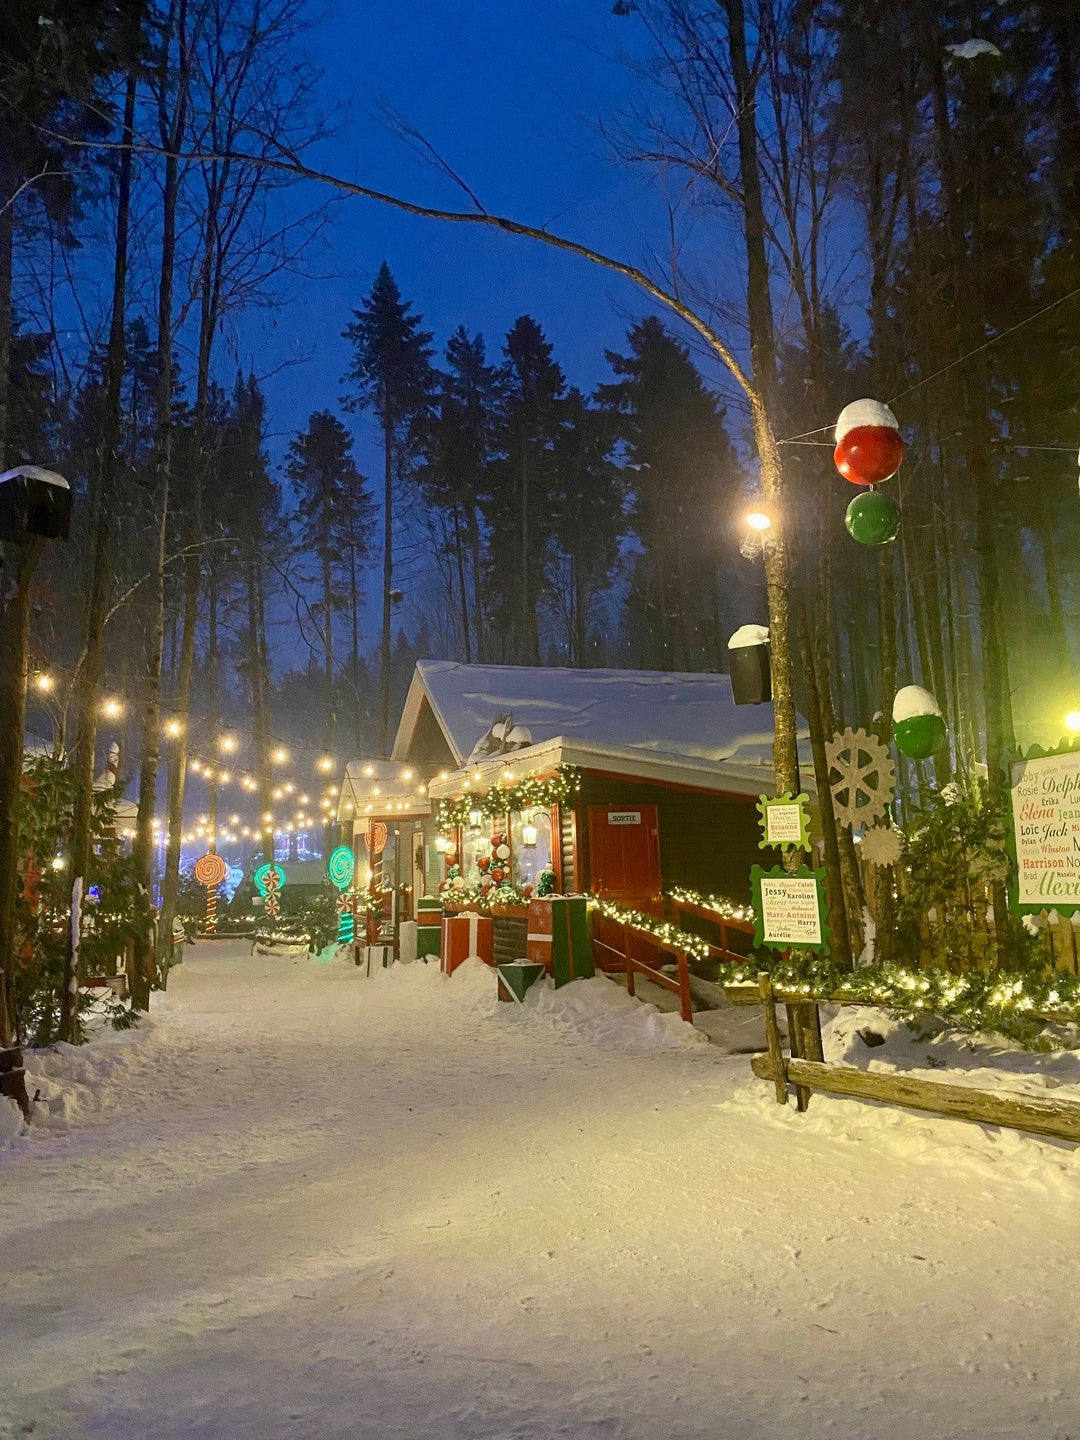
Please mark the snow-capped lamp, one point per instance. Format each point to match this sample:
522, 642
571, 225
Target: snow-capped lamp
749, 666
869, 447
918, 726
872, 518
35, 504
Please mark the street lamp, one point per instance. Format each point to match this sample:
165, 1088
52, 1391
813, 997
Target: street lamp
1072, 721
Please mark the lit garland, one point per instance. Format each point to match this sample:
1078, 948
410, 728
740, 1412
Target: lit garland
723, 907
525, 794
495, 897
1008, 1003
668, 933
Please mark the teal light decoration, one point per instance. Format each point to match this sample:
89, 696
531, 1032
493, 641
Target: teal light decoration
341, 867
260, 878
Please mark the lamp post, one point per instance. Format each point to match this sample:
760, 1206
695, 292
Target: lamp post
35, 506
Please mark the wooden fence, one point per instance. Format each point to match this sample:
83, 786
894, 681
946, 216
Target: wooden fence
806, 1069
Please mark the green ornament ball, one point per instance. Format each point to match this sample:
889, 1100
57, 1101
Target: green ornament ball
873, 518
920, 736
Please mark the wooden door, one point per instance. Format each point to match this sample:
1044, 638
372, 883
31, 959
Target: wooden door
624, 855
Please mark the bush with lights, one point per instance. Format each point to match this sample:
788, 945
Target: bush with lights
43, 900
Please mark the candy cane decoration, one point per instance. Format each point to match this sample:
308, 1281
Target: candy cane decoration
210, 870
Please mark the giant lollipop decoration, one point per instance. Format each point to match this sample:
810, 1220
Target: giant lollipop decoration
341, 868
268, 881
210, 870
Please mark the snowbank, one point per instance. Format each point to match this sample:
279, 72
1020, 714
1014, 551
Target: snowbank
69, 1083
986, 1062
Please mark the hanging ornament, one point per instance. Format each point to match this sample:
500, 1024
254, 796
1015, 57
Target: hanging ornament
873, 518
502, 852
862, 777
483, 862
918, 726
545, 884
869, 447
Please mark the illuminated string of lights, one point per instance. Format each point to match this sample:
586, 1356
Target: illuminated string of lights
724, 907
1016, 1005
512, 796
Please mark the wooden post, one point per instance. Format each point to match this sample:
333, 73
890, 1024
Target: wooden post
772, 1035
797, 1049
814, 1049
684, 987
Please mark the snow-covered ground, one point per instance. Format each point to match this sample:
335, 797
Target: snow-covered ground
301, 1204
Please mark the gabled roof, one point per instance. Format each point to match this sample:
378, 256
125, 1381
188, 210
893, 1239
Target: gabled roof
688, 717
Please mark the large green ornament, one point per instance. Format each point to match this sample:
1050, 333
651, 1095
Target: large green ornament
873, 518
918, 727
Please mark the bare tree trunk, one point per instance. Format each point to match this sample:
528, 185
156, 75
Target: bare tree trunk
7, 257
97, 606
460, 559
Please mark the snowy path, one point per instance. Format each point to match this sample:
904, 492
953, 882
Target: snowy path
319, 1207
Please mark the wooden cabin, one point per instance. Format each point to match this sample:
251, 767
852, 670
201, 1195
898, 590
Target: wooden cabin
664, 773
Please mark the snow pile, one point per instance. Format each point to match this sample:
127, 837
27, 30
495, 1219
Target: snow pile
68, 1083
601, 1012
937, 1053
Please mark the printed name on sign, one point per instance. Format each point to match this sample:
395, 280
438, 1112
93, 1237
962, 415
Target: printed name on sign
624, 817
789, 912
1045, 793
783, 824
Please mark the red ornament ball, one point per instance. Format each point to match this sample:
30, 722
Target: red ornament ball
497, 874
483, 862
869, 446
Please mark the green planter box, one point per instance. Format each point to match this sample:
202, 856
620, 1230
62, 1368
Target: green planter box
428, 929
515, 977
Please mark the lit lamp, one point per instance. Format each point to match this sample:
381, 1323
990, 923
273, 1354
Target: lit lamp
1072, 721
528, 835
758, 525
476, 819
441, 844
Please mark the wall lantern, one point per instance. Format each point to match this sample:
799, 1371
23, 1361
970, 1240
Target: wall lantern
528, 835
476, 819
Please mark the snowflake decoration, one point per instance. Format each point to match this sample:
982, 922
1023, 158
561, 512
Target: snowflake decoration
882, 845
862, 777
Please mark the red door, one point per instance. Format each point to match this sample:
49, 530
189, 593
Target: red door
624, 855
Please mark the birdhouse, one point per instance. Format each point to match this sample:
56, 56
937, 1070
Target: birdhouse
34, 504
749, 665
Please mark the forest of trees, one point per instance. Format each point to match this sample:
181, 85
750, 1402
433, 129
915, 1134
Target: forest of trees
885, 202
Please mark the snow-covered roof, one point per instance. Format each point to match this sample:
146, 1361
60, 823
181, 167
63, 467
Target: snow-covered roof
381, 789
673, 713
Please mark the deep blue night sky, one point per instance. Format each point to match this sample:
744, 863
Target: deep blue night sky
510, 93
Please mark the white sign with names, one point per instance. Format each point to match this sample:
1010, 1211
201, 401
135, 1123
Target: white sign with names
1046, 822
783, 824
789, 911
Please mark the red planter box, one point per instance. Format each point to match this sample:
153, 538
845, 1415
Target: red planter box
464, 936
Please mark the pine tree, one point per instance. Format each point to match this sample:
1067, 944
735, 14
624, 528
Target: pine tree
521, 491
391, 371
685, 486
335, 520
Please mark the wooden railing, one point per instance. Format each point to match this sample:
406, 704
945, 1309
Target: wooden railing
723, 951
625, 944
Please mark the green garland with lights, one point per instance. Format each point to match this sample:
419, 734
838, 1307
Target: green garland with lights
662, 929
1017, 1005
526, 794
495, 897
725, 908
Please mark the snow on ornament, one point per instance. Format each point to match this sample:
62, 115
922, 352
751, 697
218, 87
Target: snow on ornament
869, 447
873, 518
918, 726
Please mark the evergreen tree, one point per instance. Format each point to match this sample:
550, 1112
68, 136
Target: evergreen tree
686, 486
457, 439
391, 370
335, 520
522, 489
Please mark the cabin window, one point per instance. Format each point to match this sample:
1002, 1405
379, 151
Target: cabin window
530, 845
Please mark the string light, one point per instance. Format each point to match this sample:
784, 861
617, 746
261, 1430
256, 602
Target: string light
526, 794
280, 756
325, 763
173, 729
113, 709
228, 744
44, 682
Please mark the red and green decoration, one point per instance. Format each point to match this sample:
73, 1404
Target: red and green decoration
869, 451
501, 800
918, 725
